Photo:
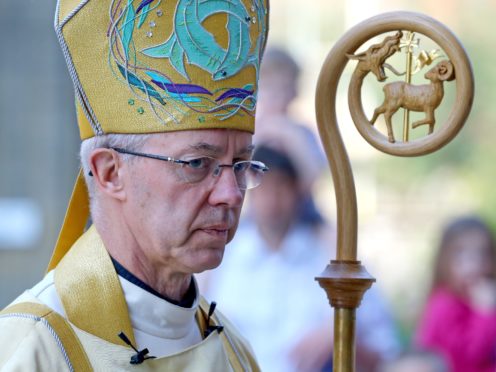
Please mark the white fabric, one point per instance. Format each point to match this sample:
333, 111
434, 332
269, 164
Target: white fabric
162, 327
272, 297
45, 292
31, 345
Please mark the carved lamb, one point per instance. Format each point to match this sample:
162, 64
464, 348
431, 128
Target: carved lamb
421, 98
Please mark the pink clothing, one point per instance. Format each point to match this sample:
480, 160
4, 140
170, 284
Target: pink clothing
465, 336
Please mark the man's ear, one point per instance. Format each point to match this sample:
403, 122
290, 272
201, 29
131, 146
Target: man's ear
106, 167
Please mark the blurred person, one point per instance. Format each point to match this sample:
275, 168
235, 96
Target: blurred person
377, 338
416, 361
272, 264
459, 319
166, 159
278, 89
279, 77
278, 128
279, 86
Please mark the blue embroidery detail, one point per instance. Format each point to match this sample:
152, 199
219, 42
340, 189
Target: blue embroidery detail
143, 15
189, 43
145, 4
140, 84
190, 38
127, 29
158, 77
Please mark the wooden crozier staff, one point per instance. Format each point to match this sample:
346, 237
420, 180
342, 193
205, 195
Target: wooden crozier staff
345, 280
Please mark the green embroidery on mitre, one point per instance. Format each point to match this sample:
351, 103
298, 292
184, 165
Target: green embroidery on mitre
192, 40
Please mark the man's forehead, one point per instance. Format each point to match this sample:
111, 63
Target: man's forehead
212, 141
217, 150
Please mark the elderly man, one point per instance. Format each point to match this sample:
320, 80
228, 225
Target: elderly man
166, 95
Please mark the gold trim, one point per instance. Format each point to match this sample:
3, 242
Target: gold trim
201, 317
74, 221
90, 291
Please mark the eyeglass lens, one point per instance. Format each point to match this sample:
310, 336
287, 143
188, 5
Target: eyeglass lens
248, 173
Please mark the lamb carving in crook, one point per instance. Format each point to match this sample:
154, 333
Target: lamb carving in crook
421, 98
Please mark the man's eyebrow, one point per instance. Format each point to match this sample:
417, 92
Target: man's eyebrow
248, 150
206, 147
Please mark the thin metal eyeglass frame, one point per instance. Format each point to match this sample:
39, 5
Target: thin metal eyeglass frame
216, 171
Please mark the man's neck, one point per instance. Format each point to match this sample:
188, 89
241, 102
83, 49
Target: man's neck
169, 284
123, 247
187, 301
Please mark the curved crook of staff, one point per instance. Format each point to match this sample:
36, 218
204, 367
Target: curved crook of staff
338, 279
345, 280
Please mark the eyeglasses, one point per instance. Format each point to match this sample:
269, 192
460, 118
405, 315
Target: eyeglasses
248, 173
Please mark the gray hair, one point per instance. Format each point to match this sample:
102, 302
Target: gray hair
133, 142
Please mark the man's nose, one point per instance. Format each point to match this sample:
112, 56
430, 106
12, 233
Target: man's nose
225, 189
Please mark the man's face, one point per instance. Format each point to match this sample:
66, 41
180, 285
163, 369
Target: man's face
179, 225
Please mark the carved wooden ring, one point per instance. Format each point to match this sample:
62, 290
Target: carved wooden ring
406, 21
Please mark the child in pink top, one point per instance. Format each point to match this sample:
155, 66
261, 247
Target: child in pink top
459, 320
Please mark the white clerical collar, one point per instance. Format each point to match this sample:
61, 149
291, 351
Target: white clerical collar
156, 316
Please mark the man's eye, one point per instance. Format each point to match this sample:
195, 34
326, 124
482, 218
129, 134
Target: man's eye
241, 166
199, 163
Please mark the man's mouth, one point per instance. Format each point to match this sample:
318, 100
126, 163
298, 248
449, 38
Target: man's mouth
216, 230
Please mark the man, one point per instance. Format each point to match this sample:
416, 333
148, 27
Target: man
166, 95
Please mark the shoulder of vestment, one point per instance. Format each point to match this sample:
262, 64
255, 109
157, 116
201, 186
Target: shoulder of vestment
28, 342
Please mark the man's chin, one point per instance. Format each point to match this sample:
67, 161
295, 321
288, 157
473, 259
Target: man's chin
209, 259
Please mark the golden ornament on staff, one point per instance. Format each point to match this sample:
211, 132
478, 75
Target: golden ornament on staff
409, 44
345, 280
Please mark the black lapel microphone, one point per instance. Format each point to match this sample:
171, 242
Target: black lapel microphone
140, 356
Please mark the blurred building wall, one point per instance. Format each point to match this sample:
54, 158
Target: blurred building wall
38, 140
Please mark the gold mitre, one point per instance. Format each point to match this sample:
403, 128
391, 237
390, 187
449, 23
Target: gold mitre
146, 66
150, 66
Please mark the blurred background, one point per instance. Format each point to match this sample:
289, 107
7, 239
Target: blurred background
402, 203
